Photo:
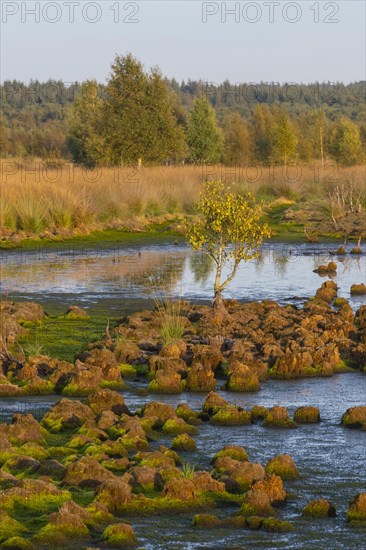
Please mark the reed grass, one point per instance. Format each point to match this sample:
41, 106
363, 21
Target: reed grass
37, 197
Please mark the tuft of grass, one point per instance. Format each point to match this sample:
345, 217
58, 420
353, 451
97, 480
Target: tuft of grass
34, 348
188, 470
172, 322
30, 213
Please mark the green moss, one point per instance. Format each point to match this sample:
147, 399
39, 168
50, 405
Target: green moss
231, 416
116, 431
353, 515
52, 422
20, 466
319, 508
206, 521
127, 370
40, 388
282, 469
17, 543
155, 387
258, 412
105, 239
34, 451
75, 316
142, 505
345, 366
247, 510
234, 452
307, 415
83, 497
238, 385
78, 441
253, 522
115, 465
62, 336
60, 452
9, 527
119, 536
35, 503
58, 535
184, 442
6, 455
185, 412
73, 390
175, 427
276, 525
113, 385
99, 515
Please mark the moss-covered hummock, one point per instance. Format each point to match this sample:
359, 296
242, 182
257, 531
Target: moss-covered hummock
307, 415
241, 378
184, 442
276, 525
206, 521
358, 290
62, 529
283, 466
355, 417
356, 513
231, 416
33, 495
232, 451
166, 382
278, 417
175, 426
258, 412
119, 535
17, 543
319, 508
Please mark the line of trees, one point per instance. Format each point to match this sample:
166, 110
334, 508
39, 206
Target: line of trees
140, 117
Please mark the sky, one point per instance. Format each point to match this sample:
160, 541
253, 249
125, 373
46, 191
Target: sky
259, 41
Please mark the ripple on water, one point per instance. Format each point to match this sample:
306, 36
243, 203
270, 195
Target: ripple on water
330, 459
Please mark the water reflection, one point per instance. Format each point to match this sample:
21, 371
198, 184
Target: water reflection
201, 266
281, 272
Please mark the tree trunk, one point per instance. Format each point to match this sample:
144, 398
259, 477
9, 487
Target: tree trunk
218, 308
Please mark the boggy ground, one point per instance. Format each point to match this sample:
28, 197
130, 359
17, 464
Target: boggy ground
185, 347
78, 475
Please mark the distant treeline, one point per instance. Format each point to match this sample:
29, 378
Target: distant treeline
140, 116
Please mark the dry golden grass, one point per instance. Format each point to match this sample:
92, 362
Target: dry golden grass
36, 197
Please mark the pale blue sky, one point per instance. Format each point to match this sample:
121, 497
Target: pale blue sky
172, 35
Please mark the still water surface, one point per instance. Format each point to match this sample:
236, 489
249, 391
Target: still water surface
127, 276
